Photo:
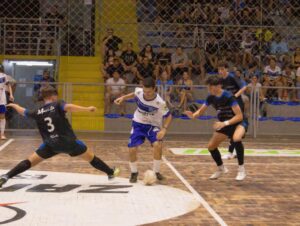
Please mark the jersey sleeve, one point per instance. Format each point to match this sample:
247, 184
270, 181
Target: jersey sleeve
208, 101
165, 110
61, 106
232, 101
240, 82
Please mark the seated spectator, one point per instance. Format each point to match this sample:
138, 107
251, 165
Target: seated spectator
252, 70
115, 87
179, 62
166, 83
197, 63
212, 51
247, 48
116, 66
163, 61
288, 80
279, 47
111, 41
296, 58
147, 52
129, 61
144, 70
185, 90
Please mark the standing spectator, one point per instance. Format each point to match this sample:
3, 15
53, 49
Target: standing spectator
144, 70
116, 66
279, 47
253, 70
166, 83
129, 60
163, 61
212, 51
111, 41
147, 52
115, 87
185, 90
296, 58
179, 61
247, 47
196, 63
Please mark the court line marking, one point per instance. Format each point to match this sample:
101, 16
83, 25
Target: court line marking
197, 196
6, 144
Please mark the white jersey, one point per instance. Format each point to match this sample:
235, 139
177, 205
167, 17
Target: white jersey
3, 84
149, 112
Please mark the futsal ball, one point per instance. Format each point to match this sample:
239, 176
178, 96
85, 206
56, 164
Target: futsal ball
149, 177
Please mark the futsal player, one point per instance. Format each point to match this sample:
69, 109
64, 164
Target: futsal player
58, 135
237, 87
230, 125
3, 101
147, 123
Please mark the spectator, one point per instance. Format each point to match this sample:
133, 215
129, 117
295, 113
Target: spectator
109, 55
115, 87
185, 90
163, 61
197, 63
116, 66
111, 41
147, 52
129, 61
298, 84
179, 61
289, 80
144, 70
253, 70
247, 47
279, 47
296, 58
166, 83
212, 51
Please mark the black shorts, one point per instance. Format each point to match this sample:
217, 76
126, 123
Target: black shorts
75, 148
229, 130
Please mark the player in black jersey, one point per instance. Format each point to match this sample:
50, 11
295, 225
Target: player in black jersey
57, 135
237, 87
230, 125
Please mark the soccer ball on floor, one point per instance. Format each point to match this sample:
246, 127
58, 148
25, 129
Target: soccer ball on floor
149, 177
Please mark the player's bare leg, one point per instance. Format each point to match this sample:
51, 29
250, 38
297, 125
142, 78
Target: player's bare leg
237, 139
24, 165
97, 163
2, 126
213, 145
133, 164
157, 155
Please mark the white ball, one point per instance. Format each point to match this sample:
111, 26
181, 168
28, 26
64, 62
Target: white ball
149, 177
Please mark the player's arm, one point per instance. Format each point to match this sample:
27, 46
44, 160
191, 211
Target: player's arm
167, 121
243, 86
198, 113
77, 108
121, 99
238, 117
11, 96
18, 108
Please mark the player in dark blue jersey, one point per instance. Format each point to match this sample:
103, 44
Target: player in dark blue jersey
230, 125
57, 135
237, 87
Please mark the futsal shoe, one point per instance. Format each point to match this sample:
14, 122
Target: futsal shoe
159, 176
219, 173
229, 156
133, 177
115, 174
241, 174
3, 180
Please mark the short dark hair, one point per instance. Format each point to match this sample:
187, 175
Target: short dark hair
149, 82
223, 64
213, 80
163, 45
48, 91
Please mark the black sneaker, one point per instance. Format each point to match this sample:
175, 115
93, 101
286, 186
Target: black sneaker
159, 176
133, 177
3, 180
115, 174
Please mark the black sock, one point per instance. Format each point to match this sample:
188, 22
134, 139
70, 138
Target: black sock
100, 165
20, 168
231, 146
239, 147
216, 155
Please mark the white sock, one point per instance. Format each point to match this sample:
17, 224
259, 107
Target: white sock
2, 125
221, 167
133, 167
156, 165
241, 168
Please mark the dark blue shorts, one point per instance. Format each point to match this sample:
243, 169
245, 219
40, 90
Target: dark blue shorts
229, 130
2, 109
140, 132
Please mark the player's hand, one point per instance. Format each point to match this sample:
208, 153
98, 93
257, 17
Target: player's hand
161, 134
119, 101
218, 125
189, 114
92, 109
11, 98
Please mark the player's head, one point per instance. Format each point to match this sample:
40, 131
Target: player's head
49, 93
214, 84
223, 69
149, 88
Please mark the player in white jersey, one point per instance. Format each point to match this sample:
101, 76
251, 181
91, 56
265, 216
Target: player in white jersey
3, 101
151, 120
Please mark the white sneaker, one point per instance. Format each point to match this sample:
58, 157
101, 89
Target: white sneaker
218, 173
229, 156
241, 175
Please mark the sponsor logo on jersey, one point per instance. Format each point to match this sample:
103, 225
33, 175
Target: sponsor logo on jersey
43, 111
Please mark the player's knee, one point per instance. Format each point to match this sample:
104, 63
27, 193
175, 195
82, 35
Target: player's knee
211, 147
237, 138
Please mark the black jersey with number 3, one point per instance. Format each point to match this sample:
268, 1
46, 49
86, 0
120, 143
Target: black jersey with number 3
52, 123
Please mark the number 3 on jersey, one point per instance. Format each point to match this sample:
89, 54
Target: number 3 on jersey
51, 127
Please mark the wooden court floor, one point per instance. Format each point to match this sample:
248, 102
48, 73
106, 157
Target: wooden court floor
270, 195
